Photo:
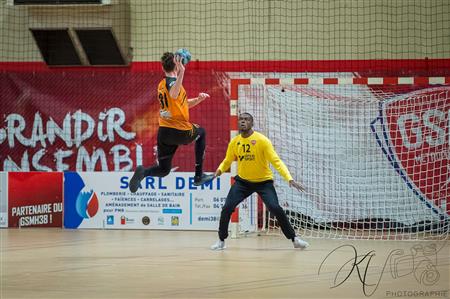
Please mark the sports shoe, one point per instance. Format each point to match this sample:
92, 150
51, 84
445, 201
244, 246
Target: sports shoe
203, 179
220, 245
136, 179
299, 243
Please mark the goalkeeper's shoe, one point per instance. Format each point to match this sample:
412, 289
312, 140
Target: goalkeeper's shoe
299, 243
220, 245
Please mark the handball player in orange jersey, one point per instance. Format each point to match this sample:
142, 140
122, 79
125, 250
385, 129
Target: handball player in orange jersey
174, 126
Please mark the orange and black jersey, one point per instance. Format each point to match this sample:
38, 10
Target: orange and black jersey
174, 112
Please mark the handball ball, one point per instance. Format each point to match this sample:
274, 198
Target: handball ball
185, 54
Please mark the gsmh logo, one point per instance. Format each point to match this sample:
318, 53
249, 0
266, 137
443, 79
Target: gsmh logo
87, 204
413, 131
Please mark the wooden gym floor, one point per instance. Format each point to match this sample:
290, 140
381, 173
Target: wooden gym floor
55, 263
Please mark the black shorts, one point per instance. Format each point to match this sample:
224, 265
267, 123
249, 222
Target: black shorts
169, 139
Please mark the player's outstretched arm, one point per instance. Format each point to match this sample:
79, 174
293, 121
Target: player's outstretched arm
281, 167
275, 160
195, 101
229, 158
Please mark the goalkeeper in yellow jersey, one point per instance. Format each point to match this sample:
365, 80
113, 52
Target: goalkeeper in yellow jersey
253, 152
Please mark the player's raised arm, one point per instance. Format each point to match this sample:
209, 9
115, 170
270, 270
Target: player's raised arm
175, 89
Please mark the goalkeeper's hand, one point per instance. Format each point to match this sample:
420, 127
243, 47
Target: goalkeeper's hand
296, 185
218, 173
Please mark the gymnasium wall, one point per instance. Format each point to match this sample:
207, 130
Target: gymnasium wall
249, 29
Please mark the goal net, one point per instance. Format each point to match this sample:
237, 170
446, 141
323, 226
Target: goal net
372, 158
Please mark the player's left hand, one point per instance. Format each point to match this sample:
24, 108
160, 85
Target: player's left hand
296, 185
202, 96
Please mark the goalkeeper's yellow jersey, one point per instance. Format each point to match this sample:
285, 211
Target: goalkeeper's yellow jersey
253, 155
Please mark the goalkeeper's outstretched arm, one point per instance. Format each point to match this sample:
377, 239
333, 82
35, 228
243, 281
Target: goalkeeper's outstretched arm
229, 158
279, 165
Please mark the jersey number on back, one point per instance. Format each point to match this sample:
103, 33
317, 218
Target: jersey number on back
163, 100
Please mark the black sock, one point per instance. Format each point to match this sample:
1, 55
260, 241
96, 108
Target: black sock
198, 170
200, 145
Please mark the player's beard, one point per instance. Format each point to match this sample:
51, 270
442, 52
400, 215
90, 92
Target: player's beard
244, 130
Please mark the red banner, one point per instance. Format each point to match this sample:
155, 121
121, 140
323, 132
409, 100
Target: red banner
35, 199
102, 121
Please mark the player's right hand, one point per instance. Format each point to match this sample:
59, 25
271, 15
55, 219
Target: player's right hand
180, 66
